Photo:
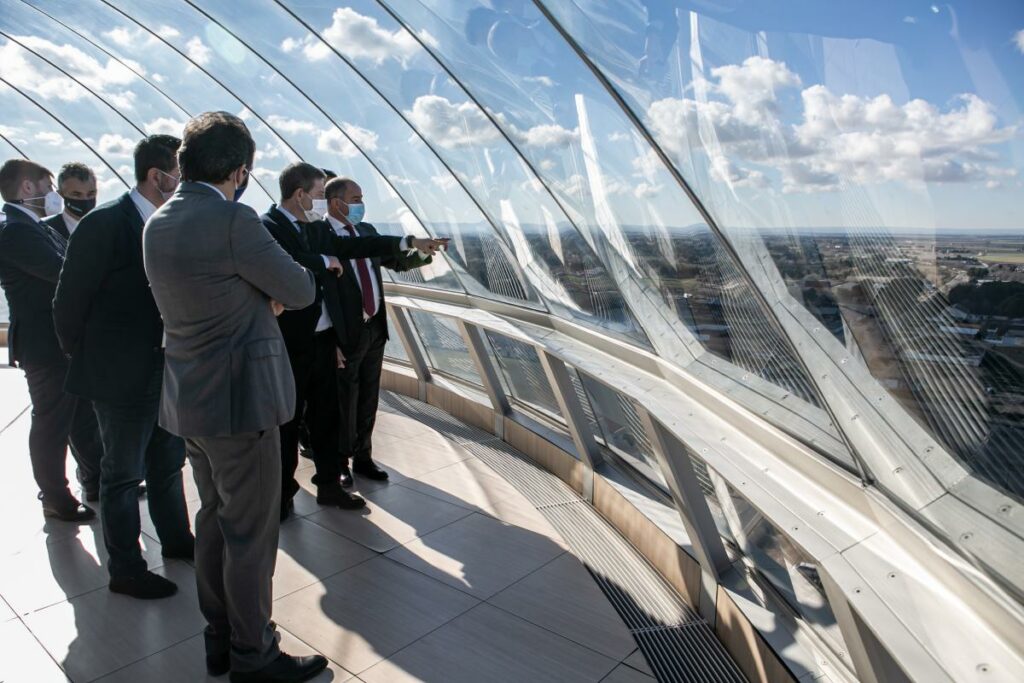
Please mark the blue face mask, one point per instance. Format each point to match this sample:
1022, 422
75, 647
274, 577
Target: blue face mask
241, 188
356, 212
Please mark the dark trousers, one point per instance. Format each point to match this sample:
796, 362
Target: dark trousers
137, 449
359, 391
58, 418
239, 481
316, 399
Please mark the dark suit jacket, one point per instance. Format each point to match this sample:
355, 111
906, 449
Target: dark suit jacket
349, 324
307, 248
104, 310
56, 221
30, 261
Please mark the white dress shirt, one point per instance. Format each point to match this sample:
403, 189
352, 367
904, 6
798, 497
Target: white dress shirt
342, 231
145, 207
71, 222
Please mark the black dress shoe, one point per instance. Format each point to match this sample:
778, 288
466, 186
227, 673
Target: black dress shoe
337, 496
218, 664
284, 669
346, 477
69, 511
145, 586
370, 471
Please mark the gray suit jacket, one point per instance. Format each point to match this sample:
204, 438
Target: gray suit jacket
213, 269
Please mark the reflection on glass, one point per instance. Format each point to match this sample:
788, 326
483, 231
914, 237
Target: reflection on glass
789, 569
864, 163
522, 375
446, 350
621, 428
394, 350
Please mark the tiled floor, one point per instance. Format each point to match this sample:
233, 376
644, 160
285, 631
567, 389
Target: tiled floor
448, 575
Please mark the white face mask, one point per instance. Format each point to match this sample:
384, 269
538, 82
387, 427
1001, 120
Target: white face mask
167, 194
52, 203
317, 211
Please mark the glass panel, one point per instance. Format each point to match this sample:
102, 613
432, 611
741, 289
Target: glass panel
788, 568
621, 429
558, 261
522, 375
684, 285
394, 350
446, 351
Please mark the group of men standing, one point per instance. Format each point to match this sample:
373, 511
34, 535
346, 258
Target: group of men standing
174, 320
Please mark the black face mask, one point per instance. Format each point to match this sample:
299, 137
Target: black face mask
79, 207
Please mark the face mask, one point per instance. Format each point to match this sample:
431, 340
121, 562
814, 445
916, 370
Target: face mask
356, 212
79, 207
52, 203
316, 210
241, 188
167, 195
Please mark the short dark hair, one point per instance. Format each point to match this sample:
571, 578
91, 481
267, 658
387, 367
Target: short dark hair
336, 187
298, 175
329, 173
155, 151
16, 171
76, 170
216, 143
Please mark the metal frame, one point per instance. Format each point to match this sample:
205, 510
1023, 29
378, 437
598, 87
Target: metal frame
473, 336
409, 340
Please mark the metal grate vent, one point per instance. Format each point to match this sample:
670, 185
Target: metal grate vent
676, 641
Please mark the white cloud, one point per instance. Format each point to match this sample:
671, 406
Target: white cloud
287, 125
444, 182
360, 37
51, 138
909, 20
108, 78
111, 144
838, 139
165, 31
1018, 40
646, 190
122, 36
159, 78
165, 126
619, 137
547, 164
401, 181
289, 45
452, 125
540, 80
198, 51
547, 135
333, 141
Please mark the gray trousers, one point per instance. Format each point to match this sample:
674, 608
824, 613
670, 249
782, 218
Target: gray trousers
239, 481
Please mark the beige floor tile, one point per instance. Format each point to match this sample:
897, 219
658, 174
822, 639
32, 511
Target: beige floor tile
625, 674
469, 483
6, 613
562, 597
489, 644
309, 552
639, 662
393, 516
369, 612
23, 659
67, 566
187, 662
400, 425
100, 632
417, 456
478, 554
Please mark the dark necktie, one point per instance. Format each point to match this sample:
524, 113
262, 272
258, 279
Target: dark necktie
365, 283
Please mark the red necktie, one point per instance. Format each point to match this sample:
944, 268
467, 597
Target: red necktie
365, 283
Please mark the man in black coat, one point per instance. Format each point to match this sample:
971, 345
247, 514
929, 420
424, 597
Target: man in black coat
31, 255
365, 329
76, 185
309, 337
108, 322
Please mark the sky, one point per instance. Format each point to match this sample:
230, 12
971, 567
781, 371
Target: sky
792, 114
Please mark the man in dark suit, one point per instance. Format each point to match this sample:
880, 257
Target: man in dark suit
109, 324
218, 279
365, 325
31, 255
76, 185
297, 224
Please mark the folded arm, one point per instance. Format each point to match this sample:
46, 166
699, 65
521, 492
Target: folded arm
264, 263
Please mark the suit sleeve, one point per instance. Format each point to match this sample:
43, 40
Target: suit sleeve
309, 260
400, 261
31, 251
375, 246
89, 258
261, 261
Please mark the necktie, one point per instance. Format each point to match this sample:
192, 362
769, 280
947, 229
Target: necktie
365, 283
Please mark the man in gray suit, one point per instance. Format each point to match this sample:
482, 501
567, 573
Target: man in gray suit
219, 279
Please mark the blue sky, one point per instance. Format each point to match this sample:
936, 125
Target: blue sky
798, 113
